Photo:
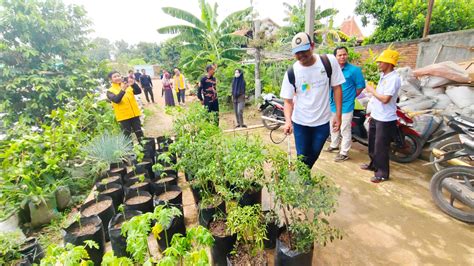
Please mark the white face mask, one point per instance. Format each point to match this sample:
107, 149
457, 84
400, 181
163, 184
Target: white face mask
237, 75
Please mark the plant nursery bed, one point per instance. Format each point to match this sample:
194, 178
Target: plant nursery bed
97, 208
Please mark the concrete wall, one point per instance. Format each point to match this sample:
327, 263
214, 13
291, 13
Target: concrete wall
455, 46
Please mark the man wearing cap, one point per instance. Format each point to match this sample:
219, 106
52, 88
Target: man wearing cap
383, 116
307, 112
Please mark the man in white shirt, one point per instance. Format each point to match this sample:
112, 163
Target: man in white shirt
307, 111
383, 116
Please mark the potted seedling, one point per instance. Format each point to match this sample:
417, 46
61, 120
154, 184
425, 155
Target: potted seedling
117, 240
101, 206
224, 240
247, 223
13, 248
114, 191
70, 254
189, 249
110, 259
138, 183
304, 199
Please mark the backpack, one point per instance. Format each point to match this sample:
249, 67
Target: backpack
327, 66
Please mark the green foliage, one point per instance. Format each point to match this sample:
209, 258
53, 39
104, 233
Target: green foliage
101, 49
10, 243
370, 69
305, 200
43, 66
399, 20
110, 260
137, 229
189, 249
68, 255
248, 224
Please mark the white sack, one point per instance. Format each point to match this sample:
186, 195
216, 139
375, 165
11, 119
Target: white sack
433, 81
442, 101
432, 92
462, 96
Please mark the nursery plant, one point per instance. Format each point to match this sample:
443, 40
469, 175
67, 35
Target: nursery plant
110, 259
188, 250
68, 255
10, 243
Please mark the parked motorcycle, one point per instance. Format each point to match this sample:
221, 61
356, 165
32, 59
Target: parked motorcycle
272, 111
452, 188
406, 146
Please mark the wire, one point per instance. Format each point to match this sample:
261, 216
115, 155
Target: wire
273, 140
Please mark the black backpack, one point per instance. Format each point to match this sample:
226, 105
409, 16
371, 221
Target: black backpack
327, 66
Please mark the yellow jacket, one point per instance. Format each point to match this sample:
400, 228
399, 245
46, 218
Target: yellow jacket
178, 82
127, 108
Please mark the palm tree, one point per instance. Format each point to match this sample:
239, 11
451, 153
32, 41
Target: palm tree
210, 41
330, 35
295, 16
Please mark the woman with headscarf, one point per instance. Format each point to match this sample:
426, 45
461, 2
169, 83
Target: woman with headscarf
167, 88
238, 96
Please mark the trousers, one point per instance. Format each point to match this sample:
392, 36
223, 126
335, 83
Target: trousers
310, 141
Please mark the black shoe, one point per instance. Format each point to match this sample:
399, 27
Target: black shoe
244, 126
367, 167
377, 179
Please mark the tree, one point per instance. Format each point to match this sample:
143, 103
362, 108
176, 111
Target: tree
399, 20
211, 41
42, 62
295, 16
330, 35
101, 49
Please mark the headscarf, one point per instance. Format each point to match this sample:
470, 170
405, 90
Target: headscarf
238, 85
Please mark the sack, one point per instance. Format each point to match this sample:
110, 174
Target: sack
448, 70
406, 76
442, 101
413, 101
422, 105
462, 96
409, 90
433, 81
432, 92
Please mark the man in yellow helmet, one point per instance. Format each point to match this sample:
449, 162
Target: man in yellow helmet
122, 95
383, 116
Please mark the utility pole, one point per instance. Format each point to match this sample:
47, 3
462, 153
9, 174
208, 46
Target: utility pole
258, 82
426, 30
309, 18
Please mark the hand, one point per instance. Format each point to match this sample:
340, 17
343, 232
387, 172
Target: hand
288, 128
124, 86
336, 123
202, 102
370, 89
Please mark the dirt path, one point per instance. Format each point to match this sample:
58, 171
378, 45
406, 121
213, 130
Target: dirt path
393, 222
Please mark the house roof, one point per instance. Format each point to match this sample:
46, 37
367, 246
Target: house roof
351, 29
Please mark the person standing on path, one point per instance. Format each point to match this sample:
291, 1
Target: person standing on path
137, 75
383, 116
305, 90
353, 86
238, 97
167, 89
207, 93
147, 85
179, 85
127, 113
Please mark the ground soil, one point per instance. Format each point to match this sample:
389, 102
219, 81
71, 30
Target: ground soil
118, 225
138, 185
138, 200
110, 190
85, 229
97, 208
244, 258
110, 179
115, 170
164, 180
394, 222
285, 238
168, 195
218, 228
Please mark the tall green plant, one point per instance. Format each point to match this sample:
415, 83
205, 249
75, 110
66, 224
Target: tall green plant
69, 254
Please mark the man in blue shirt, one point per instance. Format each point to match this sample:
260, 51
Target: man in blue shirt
353, 86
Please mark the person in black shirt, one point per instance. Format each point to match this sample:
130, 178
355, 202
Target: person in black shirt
137, 75
147, 86
207, 92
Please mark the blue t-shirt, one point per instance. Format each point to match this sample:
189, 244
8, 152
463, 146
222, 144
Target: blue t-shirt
354, 80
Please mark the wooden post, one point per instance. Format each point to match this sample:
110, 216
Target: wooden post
309, 18
258, 82
426, 30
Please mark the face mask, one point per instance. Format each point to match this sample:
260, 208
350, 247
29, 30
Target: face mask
237, 75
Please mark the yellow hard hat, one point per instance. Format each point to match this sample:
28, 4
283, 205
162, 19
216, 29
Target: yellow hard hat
388, 56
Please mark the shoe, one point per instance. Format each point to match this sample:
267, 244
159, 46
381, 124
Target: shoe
341, 158
244, 126
377, 179
236, 127
331, 149
367, 167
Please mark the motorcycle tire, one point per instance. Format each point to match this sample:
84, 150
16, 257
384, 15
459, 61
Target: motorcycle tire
439, 197
270, 112
449, 144
414, 153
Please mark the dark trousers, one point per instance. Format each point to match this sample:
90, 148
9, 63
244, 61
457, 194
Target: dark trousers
149, 90
309, 141
213, 108
380, 136
180, 95
132, 125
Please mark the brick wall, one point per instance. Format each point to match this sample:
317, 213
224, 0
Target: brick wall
408, 51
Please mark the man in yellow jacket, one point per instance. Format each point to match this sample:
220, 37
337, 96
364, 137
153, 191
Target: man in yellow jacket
179, 85
122, 95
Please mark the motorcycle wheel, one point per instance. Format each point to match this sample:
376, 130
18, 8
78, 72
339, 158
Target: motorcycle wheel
450, 144
273, 113
410, 151
446, 201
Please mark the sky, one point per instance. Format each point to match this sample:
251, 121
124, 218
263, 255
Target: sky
136, 21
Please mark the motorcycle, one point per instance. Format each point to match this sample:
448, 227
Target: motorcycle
407, 145
452, 188
272, 111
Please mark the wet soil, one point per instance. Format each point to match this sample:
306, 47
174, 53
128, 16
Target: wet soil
168, 195
164, 180
138, 185
138, 200
110, 190
243, 257
218, 228
110, 179
97, 208
85, 229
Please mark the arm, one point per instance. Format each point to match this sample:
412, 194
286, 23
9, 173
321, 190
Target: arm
199, 92
360, 81
358, 91
383, 98
288, 110
115, 98
136, 89
338, 101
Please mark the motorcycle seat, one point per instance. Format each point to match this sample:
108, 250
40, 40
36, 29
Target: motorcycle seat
280, 101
